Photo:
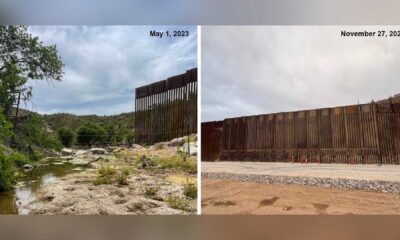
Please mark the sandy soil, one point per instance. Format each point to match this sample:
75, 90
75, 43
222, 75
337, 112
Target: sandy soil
229, 197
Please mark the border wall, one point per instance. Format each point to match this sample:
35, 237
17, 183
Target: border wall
356, 134
166, 109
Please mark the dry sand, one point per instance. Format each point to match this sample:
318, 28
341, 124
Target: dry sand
230, 197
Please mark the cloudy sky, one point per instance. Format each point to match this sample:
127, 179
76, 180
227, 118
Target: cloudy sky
264, 69
103, 66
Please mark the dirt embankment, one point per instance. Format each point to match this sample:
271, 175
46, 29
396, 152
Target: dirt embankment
220, 196
139, 180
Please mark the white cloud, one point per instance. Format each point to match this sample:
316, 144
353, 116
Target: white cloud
263, 69
104, 64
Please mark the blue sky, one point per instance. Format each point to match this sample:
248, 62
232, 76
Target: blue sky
104, 64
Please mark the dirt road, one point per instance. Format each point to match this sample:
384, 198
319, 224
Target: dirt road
231, 197
356, 172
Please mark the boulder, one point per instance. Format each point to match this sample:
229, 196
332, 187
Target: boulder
112, 148
81, 152
193, 148
160, 145
120, 150
176, 142
99, 151
27, 167
137, 147
67, 152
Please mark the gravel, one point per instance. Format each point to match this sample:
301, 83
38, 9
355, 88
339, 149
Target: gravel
368, 185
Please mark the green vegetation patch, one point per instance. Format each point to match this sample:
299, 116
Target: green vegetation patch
190, 190
179, 203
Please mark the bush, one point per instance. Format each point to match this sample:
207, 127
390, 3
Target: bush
106, 171
19, 159
130, 137
66, 136
36, 135
5, 128
151, 191
176, 162
91, 133
179, 203
122, 179
190, 190
6, 171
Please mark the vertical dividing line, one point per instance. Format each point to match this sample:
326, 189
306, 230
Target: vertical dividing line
199, 71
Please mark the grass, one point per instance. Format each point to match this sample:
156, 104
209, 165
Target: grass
179, 203
122, 179
151, 191
190, 190
176, 162
109, 175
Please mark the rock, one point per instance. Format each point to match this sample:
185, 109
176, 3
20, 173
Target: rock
193, 148
66, 158
160, 145
51, 153
81, 152
67, 152
27, 167
97, 151
119, 150
176, 142
137, 147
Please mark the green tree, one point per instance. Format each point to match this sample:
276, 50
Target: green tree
6, 170
34, 133
91, 133
130, 137
111, 134
24, 57
66, 136
6, 163
5, 128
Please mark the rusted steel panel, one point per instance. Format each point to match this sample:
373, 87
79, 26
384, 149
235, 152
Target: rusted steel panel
357, 134
166, 109
211, 136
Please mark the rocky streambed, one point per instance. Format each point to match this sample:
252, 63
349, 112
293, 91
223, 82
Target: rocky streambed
111, 181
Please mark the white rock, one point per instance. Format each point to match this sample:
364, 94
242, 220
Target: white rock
81, 152
27, 167
97, 151
193, 148
178, 141
67, 152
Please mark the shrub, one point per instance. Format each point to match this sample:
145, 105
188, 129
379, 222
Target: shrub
179, 203
5, 128
190, 190
90, 133
106, 171
151, 191
126, 172
36, 135
122, 179
6, 171
66, 136
130, 137
176, 162
104, 175
19, 159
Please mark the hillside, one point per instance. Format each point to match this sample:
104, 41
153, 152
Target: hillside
59, 120
72, 121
